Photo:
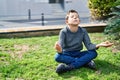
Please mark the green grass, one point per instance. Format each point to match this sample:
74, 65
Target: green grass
33, 59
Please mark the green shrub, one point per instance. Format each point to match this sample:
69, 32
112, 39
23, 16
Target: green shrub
113, 25
100, 9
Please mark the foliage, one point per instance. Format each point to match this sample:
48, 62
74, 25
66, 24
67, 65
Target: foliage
100, 9
113, 25
33, 59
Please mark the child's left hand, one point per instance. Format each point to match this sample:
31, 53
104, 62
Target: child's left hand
106, 44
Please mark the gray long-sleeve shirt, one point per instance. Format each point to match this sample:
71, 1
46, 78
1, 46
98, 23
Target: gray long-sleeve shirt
72, 41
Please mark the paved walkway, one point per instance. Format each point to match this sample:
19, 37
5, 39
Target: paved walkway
18, 25
33, 27
10, 29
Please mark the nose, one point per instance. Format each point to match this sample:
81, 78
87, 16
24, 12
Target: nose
75, 17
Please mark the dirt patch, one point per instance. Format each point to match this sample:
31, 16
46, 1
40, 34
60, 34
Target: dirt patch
116, 47
19, 51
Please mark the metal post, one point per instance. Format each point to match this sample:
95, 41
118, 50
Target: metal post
29, 14
42, 19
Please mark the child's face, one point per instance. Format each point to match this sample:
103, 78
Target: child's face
73, 19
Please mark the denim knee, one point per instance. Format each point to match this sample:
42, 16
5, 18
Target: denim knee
57, 57
93, 53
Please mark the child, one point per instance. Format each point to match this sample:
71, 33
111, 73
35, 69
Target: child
70, 45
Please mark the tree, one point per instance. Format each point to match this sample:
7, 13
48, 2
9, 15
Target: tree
100, 9
113, 24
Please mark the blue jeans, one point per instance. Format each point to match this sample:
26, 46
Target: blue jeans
76, 58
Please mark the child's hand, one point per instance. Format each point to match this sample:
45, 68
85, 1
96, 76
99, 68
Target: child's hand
58, 47
105, 44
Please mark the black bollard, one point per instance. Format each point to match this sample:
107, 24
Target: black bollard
42, 19
29, 14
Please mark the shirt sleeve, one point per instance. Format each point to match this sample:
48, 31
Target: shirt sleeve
62, 38
87, 41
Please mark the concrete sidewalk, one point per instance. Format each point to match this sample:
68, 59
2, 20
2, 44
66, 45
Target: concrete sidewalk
24, 27
53, 27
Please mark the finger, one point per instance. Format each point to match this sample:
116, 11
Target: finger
110, 44
58, 46
55, 46
107, 42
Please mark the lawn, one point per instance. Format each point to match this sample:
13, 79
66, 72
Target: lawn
33, 59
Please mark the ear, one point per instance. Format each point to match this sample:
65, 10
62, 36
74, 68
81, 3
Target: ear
66, 21
79, 21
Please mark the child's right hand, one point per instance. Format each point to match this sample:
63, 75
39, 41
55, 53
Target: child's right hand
58, 47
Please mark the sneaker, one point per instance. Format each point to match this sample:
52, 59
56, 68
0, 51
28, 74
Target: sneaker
91, 65
62, 68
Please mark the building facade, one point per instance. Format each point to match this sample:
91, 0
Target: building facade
36, 7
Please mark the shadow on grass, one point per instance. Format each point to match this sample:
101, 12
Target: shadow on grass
107, 67
104, 68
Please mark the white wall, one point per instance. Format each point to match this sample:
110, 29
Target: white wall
79, 5
3, 7
20, 7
